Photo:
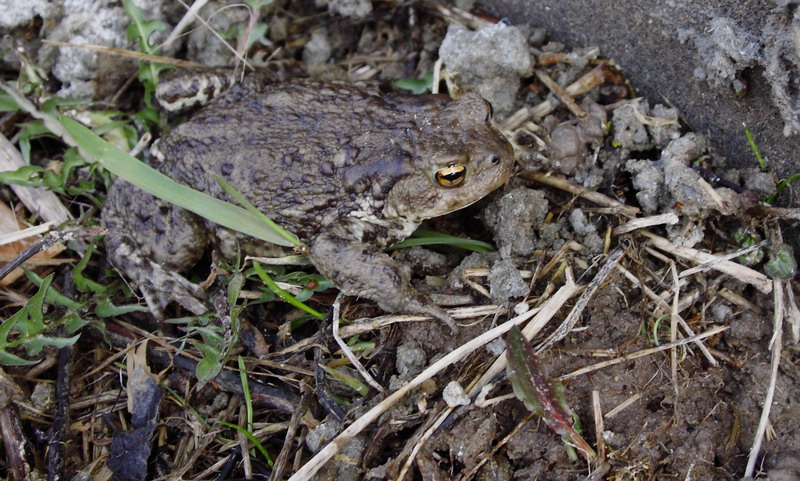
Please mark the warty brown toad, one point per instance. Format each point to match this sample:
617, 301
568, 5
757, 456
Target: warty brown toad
348, 170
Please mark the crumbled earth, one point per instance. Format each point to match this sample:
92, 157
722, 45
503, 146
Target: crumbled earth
698, 421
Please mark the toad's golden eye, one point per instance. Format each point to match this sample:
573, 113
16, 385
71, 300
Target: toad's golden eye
451, 176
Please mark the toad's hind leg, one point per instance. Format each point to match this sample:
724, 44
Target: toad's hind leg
362, 270
150, 241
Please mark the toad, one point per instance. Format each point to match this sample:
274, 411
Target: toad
347, 169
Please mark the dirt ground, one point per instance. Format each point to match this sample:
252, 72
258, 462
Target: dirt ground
688, 412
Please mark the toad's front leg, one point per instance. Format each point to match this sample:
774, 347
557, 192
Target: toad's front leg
359, 269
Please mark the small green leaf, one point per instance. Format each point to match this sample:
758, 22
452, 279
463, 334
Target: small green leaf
73, 323
8, 359
416, 86
27, 175
30, 131
30, 327
754, 148
35, 345
537, 393
248, 401
8, 104
235, 287
783, 183
210, 365
140, 28
83, 283
29, 321
52, 104
148, 115
53, 296
781, 263
210, 335
105, 308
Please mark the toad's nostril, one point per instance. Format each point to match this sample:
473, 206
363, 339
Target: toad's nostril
494, 159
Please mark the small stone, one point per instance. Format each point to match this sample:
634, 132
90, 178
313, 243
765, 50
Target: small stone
505, 282
495, 77
454, 395
496, 347
411, 358
521, 308
322, 434
579, 223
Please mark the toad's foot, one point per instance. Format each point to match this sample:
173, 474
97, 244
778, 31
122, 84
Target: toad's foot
362, 270
150, 241
158, 285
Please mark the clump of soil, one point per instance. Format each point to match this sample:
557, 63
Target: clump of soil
601, 175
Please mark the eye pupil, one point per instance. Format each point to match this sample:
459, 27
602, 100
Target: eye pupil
451, 176
494, 159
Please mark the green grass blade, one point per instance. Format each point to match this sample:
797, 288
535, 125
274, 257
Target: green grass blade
754, 147
282, 293
252, 439
248, 402
780, 187
158, 184
426, 238
252, 209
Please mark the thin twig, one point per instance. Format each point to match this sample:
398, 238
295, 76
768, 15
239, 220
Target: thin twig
665, 307
582, 301
642, 353
792, 313
740, 272
595, 77
247, 465
288, 442
575, 189
624, 404
599, 427
673, 332
738, 300
61, 420
421, 442
187, 19
644, 222
347, 351
779, 212
360, 326
487, 456
776, 343
14, 440
218, 36
726, 257
561, 94
122, 52
547, 311
50, 239
19, 235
